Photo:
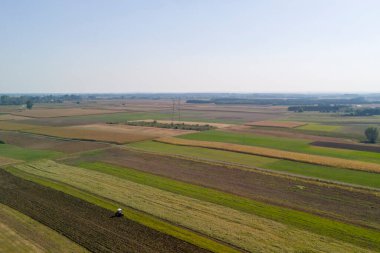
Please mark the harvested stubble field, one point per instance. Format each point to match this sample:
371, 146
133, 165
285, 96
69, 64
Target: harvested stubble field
33, 141
275, 153
84, 223
107, 132
21, 234
241, 229
326, 200
281, 124
60, 112
370, 148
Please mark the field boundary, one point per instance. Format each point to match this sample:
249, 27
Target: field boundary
274, 153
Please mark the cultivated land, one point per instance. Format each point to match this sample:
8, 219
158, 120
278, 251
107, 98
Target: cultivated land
282, 124
20, 233
266, 180
240, 229
297, 194
273, 153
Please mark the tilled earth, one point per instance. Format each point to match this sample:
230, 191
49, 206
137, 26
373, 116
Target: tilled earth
356, 207
87, 224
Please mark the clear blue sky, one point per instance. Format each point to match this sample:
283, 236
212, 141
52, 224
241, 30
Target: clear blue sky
184, 46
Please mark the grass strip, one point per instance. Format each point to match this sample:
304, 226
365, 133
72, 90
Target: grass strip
145, 219
346, 232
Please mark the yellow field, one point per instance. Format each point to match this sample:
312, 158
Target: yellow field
282, 124
107, 132
249, 232
274, 153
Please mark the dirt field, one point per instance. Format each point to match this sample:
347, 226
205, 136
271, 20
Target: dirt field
351, 206
358, 147
33, 141
84, 223
280, 154
107, 132
281, 124
61, 112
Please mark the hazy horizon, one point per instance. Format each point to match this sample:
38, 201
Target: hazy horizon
189, 47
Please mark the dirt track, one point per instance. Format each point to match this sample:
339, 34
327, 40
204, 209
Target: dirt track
84, 223
351, 206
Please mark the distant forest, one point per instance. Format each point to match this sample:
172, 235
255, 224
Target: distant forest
20, 100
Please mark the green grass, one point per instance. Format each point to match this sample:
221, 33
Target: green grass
320, 127
132, 214
329, 173
294, 145
15, 152
338, 230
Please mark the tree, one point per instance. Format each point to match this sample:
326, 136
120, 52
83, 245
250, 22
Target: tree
29, 104
371, 133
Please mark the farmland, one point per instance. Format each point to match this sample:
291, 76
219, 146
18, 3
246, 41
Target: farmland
273, 153
20, 233
265, 180
176, 208
305, 169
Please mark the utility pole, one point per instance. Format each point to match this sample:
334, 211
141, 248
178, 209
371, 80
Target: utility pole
179, 109
173, 110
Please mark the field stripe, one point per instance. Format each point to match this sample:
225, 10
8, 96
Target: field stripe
338, 230
275, 153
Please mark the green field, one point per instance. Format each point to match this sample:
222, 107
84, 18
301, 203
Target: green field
294, 145
243, 228
320, 127
323, 172
26, 154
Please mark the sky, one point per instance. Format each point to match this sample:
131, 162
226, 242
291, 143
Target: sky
91, 46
